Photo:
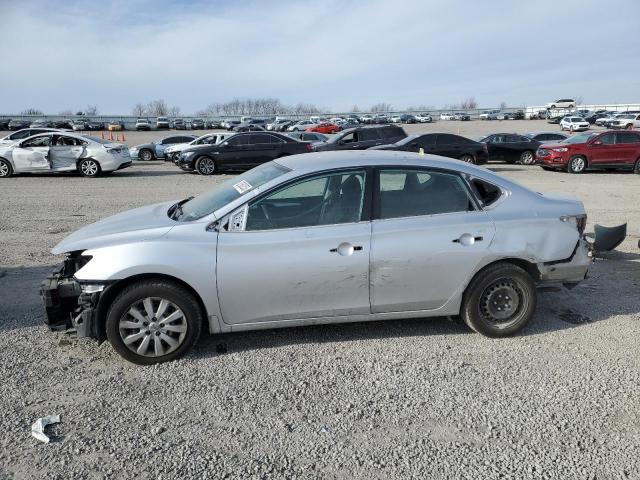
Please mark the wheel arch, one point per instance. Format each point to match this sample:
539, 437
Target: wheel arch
530, 267
113, 289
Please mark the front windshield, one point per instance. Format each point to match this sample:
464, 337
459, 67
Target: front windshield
580, 138
229, 191
629, 117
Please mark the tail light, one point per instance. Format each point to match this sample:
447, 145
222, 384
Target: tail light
580, 221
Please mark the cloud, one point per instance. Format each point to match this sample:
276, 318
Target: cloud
331, 53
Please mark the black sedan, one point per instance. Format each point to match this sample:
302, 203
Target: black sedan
197, 124
511, 147
240, 152
444, 144
18, 124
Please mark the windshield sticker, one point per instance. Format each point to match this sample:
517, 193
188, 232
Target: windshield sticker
242, 187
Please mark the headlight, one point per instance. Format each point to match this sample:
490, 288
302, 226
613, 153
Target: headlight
91, 287
186, 155
563, 149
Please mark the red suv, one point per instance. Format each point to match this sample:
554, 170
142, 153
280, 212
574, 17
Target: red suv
324, 128
619, 149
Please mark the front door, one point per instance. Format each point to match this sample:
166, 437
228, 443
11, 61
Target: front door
65, 152
427, 239
301, 252
602, 150
32, 155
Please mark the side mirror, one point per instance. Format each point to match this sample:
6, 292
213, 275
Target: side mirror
224, 144
597, 142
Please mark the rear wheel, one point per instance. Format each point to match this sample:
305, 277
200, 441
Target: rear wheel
89, 167
527, 157
577, 164
630, 126
636, 168
153, 321
499, 301
467, 158
145, 155
6, 170
205, 166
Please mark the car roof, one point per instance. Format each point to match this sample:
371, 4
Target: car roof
66, 133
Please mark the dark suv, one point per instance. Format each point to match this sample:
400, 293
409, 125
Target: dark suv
444, 144
361, 138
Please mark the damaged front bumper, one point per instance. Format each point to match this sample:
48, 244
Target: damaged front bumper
71, 305
570, 271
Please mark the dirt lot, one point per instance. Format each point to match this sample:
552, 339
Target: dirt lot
402, 399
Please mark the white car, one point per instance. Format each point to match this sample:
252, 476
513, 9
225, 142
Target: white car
574, 124
173, 152
424, 118
63, 152
447, 116
562, 103
300, 126
143, 124
395, 119
628, 120
24, 133
489, 115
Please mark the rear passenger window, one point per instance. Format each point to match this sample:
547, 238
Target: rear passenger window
627, 137
410, 193
368, 134
447, 139
487, 192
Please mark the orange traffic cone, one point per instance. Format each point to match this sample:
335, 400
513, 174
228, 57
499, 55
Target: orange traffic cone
123, 139
111, 137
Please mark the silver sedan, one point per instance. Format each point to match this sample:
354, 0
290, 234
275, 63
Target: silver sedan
319, 238
63, 152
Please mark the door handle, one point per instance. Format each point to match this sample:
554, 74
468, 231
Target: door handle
345, 249
466, 239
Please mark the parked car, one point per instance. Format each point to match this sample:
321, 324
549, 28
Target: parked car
54, 152
447, 116
4, 123
562, 103
301, 125
424, 118
162, 123
94, 125
537, 115
172, 152
628, 121
79, 125
273, 126
593, 116
41, 124
179, 124
24, 133
395, 119
435, 238
308, 136
282, 127
143, 124
248, 127
367, 119
240, 152
443, 144
361, 138
511, 147
407, 118
115, 126
490, 115
612, 149
197, 124
546, 137
18, 124
608, 122
325, 127
155, 150
213, 124
231, 124
574, 124
63, 124
461, 116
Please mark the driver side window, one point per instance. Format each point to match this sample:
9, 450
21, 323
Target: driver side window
323, 200
36, 142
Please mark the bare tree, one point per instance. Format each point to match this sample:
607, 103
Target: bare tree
503, 105
355, 109
66, 113
157, 108
175, 111
91, 110
138, 110
381, 107
469, 104
31, 111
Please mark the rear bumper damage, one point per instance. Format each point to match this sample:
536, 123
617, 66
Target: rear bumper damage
570, 271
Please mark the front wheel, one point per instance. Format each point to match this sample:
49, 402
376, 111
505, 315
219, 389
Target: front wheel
527, 157
6, 170
89, 167
153, 321
145, 155
468, 158
636, 168
577, 165
205, 166
499, 301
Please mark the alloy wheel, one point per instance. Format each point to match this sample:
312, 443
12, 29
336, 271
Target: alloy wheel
526, 158
206, 166
89, 168
153, 327
577, 164
4, 169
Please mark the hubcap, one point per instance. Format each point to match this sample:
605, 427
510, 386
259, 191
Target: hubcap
467, 158
89, 168
578, 164
4, 169
153, 327
527, 157
501, 302
146, 156
206, 166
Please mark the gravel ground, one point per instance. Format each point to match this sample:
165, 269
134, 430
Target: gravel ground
400, 399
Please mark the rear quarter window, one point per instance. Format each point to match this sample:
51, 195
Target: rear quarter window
486, 192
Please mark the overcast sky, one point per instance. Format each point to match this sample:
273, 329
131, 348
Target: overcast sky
333, 53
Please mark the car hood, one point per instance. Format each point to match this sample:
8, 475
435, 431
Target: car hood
179, 146
555, 144
139, 224
195, 148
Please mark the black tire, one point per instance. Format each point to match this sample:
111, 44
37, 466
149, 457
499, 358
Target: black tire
88, 167
527, 157
483, 305
577, 164
205, 165
158, 289
145, 155
636, 168
467, 158
6, 170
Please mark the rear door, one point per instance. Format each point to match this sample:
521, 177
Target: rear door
259, 149
65, 152
627, 148
448, 145
420, 257
32, 155
368, 137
